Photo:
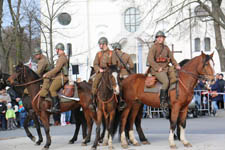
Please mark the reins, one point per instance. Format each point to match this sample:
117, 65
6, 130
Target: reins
31, 82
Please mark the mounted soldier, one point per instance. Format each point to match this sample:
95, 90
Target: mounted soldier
102, 60
159, 57
43, 65
58, 75
125, 65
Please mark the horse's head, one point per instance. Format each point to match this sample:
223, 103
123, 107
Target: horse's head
22, 74
206, 66
113, 69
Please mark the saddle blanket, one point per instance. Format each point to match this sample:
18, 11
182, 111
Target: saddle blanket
157, 87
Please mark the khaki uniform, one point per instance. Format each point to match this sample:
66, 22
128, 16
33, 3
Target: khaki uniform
102, 58
127, 61
160, 52
58, 75
42, 67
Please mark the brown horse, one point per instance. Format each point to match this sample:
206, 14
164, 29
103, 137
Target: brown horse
107, 107
134, 95
24, 75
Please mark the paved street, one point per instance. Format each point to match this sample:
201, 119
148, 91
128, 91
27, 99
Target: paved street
204, 133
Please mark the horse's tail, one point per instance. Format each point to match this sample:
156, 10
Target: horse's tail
116, 121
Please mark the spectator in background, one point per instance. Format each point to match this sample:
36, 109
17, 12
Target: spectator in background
197, 91
13, 95
214, 97
221, 84
22, 112
10, 117
5, 96
68, 116
3, 109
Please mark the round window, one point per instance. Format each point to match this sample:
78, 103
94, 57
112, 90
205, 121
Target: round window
64, 18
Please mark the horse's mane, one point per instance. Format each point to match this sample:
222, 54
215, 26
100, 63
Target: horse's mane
183, 62
85, 86
32, 72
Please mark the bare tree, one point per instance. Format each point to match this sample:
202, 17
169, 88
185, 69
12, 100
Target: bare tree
46, 23
214, 14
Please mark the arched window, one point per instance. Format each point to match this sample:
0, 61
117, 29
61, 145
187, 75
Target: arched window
207, 44
197, 44
132, 19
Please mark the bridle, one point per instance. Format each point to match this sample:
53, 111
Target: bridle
22, 77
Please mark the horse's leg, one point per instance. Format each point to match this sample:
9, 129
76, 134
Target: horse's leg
182, 126
45, 121
98, 124
26, 122
105, 122
139, 128
110, 128
173, 122
89, 125
132, 118
77, 126
37, 124
103, 130
124, 116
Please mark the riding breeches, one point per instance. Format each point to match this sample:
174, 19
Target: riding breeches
56, 84
163, 78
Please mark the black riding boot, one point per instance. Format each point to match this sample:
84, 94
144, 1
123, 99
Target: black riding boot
163, 99
92, 105
55, 105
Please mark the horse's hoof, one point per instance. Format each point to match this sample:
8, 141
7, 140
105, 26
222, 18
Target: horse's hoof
100, 141
173, 147
93, 148
111, 147
33, 139
188, 145
145, 142
105, 144
124, 146
83, 144
71, 142
45, 148
38, 143
137, 144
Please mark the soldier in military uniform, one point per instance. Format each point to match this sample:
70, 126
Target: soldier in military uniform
102, 59
59, 76
125, 64
159, 57
43, 64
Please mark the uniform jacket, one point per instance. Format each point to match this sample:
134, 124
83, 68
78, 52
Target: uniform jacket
43, 66
61, 62
102, 58
215, 87
156, 51
126, 59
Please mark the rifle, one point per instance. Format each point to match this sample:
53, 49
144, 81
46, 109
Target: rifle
125, 66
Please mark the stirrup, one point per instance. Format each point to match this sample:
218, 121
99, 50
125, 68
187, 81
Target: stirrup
122, 105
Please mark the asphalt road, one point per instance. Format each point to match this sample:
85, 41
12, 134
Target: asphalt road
204, 133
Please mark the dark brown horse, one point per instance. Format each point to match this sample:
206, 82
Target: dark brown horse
107, 107
133, 93
24, 75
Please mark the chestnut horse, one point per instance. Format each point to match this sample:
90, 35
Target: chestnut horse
134, 95
24, 75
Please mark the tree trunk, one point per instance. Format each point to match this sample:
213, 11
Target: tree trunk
219, 42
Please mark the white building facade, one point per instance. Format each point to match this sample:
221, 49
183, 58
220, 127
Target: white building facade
133, 23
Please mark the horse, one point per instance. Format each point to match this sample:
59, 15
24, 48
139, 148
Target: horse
107, 106
28, 78
134, 95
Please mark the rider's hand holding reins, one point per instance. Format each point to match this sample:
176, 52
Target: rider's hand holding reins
178, 67
101, 70
160, 69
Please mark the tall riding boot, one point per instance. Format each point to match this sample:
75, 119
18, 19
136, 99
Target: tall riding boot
92, 105
163, 99
122, 103
55, 105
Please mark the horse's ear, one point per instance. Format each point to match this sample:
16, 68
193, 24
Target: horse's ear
211, 55
202, 53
